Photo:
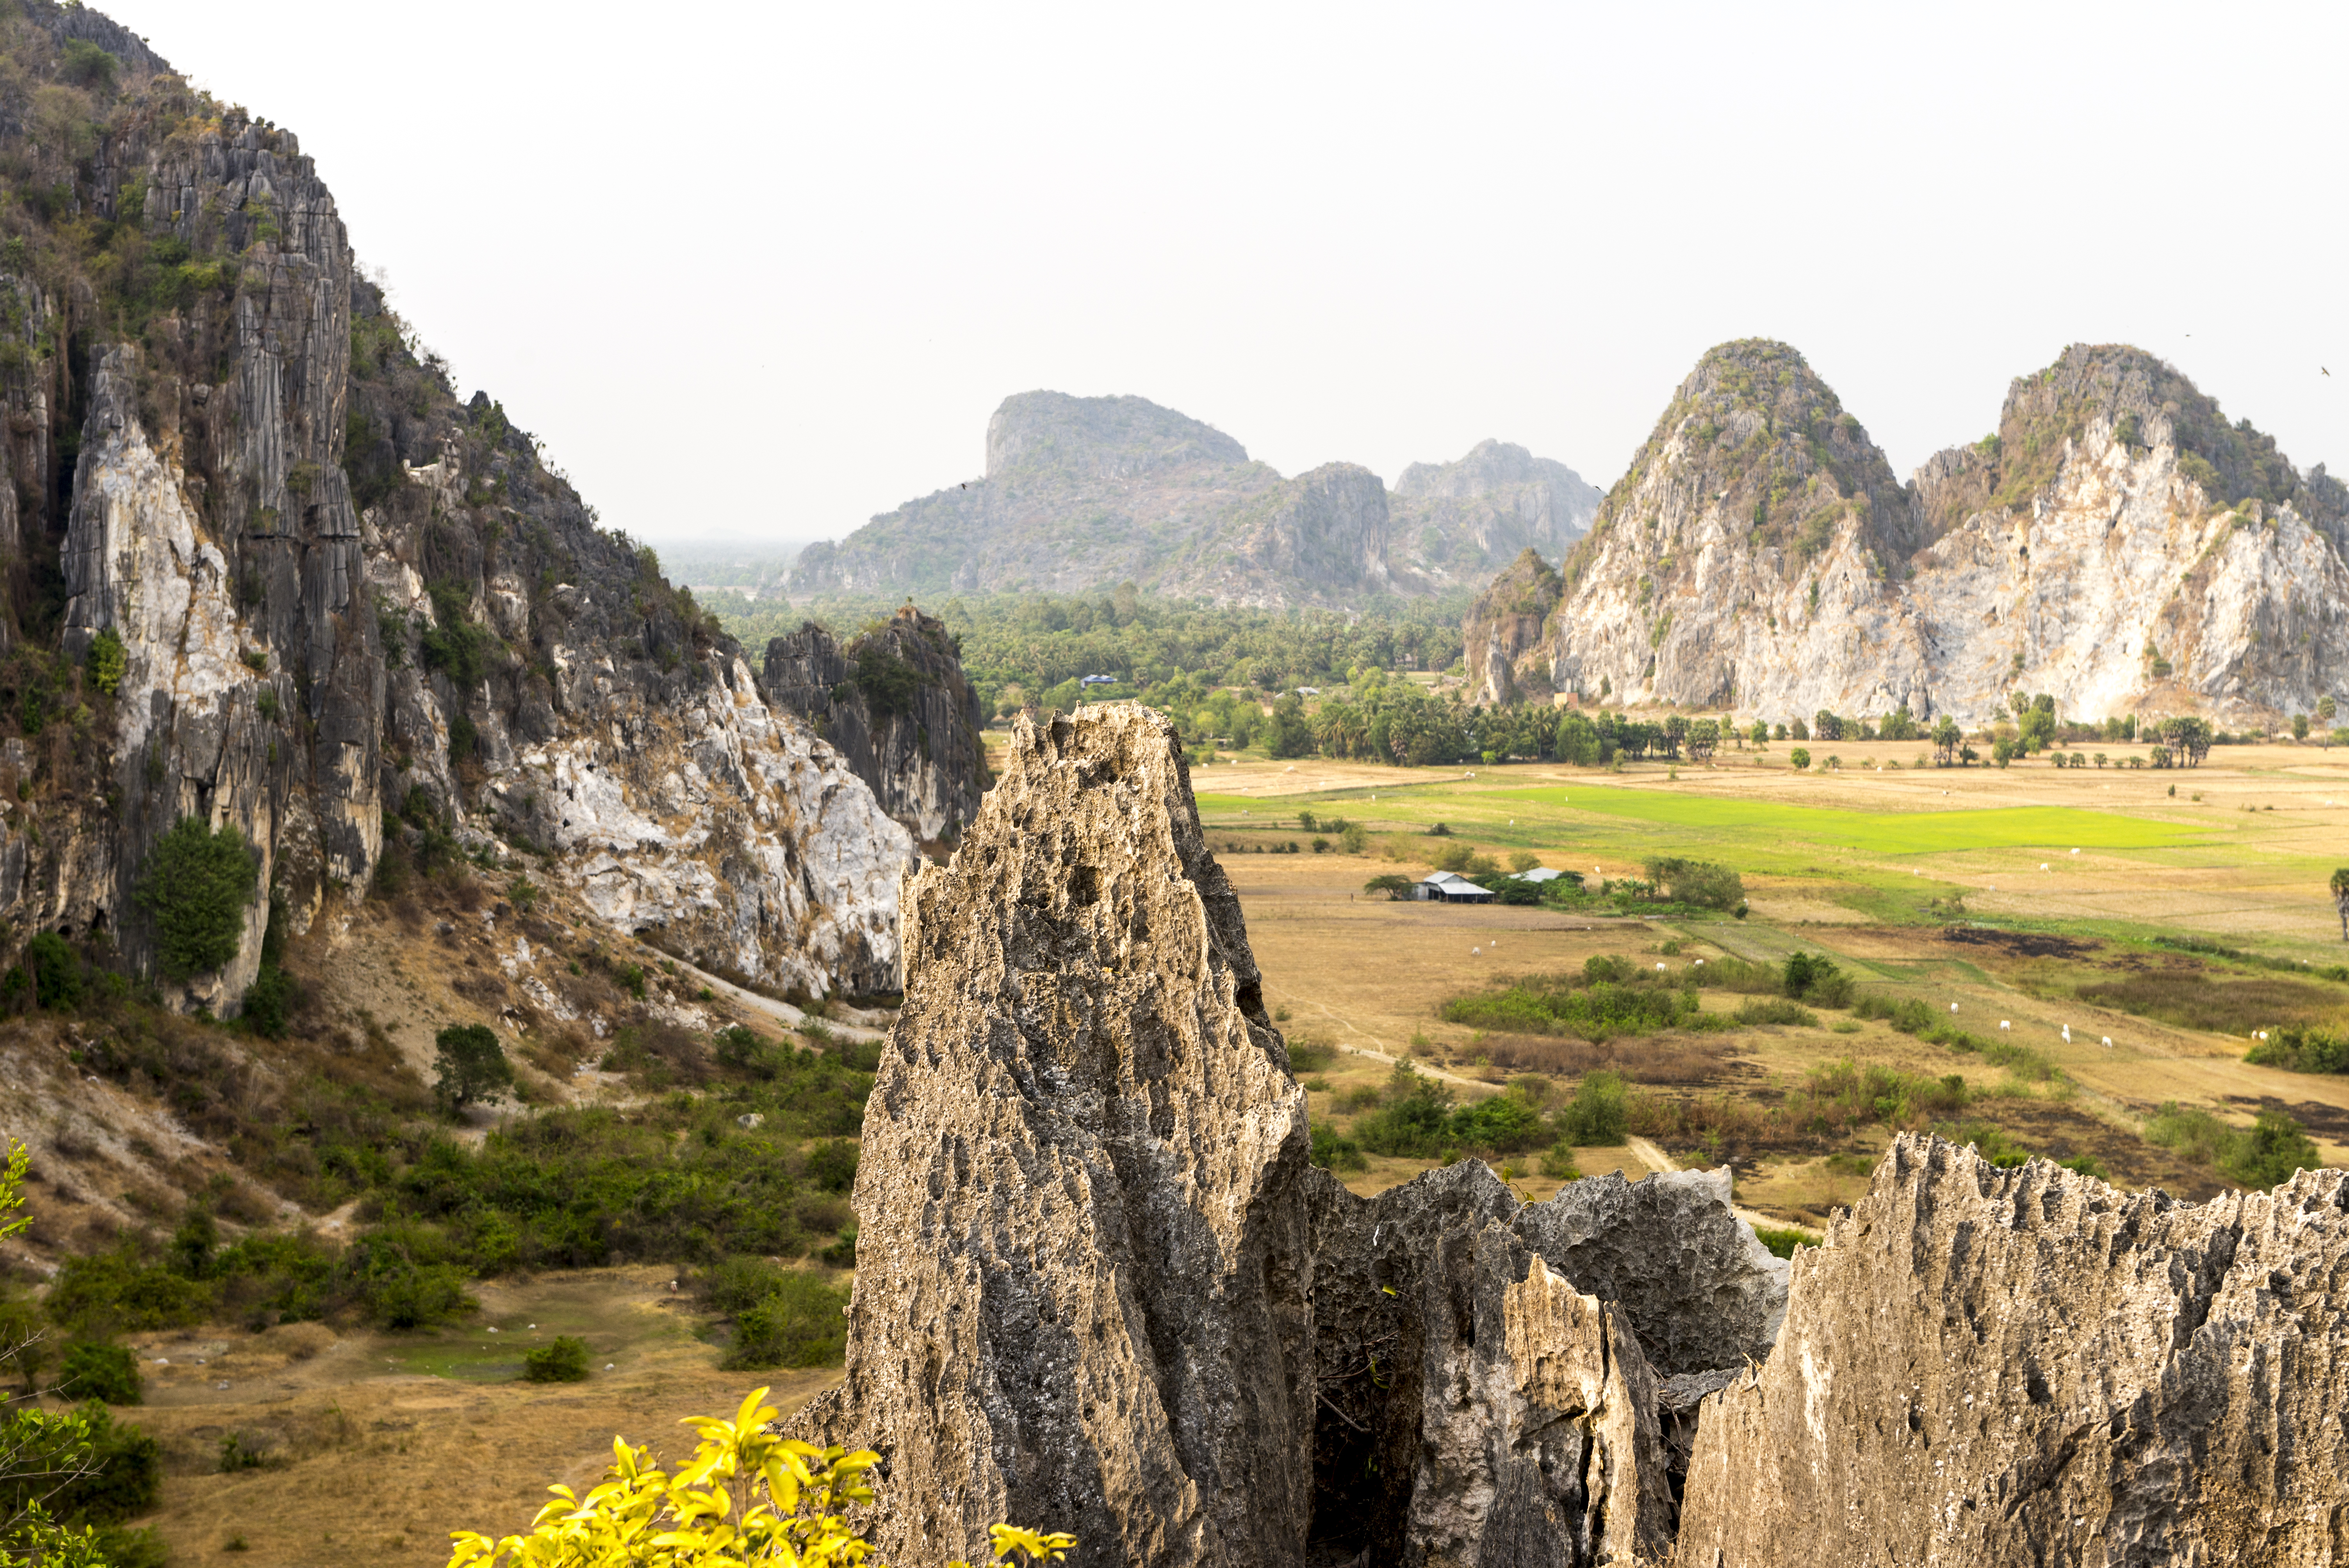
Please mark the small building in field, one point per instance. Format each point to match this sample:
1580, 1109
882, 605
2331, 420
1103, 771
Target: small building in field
1449, 887
1540, 875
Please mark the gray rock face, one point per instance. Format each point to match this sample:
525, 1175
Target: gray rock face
1099, 437
2118, 545
1326, 528
1485, 1393
1085, 493
896, 706
1998, 1366
352, 607
1506, 655
1083, 1258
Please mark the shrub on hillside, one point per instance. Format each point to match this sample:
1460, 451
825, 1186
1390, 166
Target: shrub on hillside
1334, 1152
471, 1065
56, 970
1557, 1163
796, 1321
1699, 884
1599, 1115
106, 1373
1813, 977
1502, 1124
1611, 996
2267, 1153
2304, 1050
1774, 1010
1908, 1015
562, 1359
1416, 1120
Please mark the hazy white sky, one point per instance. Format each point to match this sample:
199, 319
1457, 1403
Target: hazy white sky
762, 271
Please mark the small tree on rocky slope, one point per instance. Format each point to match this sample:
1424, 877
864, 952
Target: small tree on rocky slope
197, 887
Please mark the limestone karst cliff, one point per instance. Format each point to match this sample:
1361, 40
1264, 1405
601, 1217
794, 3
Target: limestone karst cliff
2117, 544
355, 615
1085, 493
1100, 1290
895, 704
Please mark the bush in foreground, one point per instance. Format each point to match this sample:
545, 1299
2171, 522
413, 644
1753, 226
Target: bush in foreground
746, 1496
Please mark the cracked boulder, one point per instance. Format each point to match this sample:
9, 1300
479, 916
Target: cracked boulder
1986, 1366
1082, 1302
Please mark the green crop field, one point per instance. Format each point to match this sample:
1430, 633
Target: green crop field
1887, 833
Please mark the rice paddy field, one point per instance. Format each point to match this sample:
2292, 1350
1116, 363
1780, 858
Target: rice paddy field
2172, 913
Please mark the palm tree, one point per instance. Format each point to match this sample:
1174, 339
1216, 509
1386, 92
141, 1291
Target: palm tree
2341, 899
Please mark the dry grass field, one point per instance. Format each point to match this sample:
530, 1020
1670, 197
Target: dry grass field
373, 1447
2030, 898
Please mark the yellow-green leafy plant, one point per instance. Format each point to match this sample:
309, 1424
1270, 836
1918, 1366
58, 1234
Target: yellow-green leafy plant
746, 1496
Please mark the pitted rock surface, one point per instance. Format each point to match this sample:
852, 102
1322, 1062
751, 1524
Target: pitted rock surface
1698, 1288
1084, 1259
1539, 1447
1393, 1294
1997, 1367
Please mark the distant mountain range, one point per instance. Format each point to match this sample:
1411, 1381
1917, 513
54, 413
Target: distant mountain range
1086, 492
2117, 544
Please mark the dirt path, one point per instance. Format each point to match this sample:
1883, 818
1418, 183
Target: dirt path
1391, 1059
782, 1013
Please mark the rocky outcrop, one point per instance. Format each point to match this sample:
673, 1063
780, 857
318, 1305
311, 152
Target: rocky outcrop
1491, 1375
1507, 658
1986, 1366
1083, 1260
2121, 546
1454, 522
1085, 493
896, 706
356, 618
1699, 1290
2117, 545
